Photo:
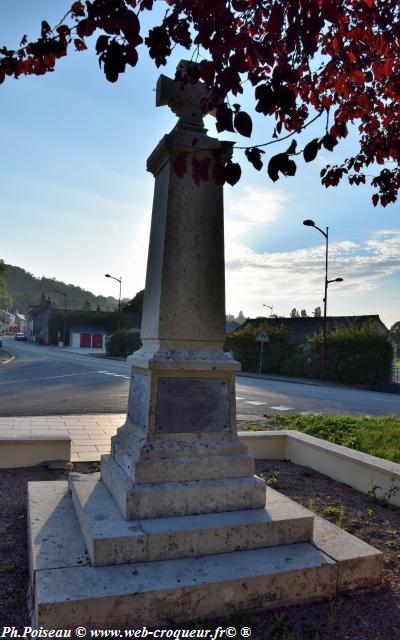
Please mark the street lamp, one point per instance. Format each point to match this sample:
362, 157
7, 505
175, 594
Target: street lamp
311, 223
269, 307
62, 293
107, 275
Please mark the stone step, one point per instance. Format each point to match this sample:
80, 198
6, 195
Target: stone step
157, 593
180, 498
359, 564
67, 590
110, 539
185, 468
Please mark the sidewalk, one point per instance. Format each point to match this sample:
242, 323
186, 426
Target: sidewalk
90, 434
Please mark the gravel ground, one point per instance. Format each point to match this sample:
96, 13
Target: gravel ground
365, 615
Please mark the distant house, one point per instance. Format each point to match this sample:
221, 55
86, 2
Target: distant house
20, 322
85, 336
299, 329
38, 320
7, 321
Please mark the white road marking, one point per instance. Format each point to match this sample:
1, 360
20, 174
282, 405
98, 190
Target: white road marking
116, 375
65, 375
256, 402
282, 407
237, 398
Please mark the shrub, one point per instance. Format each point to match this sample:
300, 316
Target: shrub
355, 354
242, 343
124, 342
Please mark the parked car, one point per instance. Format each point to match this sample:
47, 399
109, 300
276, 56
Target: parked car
20, 336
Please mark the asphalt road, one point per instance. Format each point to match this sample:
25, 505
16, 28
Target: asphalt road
51, 381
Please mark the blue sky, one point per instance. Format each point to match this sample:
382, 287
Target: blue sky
75, 197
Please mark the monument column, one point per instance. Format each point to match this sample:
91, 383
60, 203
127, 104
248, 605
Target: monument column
181, 423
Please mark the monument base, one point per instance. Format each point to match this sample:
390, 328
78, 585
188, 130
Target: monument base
141, 587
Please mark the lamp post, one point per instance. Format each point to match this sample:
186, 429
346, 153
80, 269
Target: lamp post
311, 223
107, 275
269, 307
62, 293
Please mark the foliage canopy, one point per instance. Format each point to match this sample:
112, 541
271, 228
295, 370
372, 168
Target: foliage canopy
338, 60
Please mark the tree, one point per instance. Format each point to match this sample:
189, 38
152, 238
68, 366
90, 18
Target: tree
294, 313
5, 300
395, 332
317, 312
303, 313
333, 60
136, 304
87, 306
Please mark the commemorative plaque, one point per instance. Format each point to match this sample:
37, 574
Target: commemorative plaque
187, 405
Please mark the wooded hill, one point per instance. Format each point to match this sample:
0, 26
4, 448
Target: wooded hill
25, 290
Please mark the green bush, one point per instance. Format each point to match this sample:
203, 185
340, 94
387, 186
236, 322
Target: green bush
242, 343
122, 343
355, 354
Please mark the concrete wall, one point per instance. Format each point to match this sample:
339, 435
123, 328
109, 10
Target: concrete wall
30, 450
356, 469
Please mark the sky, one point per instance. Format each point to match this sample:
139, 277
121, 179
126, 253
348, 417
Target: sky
76, 200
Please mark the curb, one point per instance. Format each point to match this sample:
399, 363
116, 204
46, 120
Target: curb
10, 359
265, 376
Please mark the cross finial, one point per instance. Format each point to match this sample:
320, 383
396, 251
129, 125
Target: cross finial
188, 100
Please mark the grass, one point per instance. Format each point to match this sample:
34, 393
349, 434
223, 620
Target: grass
377, 435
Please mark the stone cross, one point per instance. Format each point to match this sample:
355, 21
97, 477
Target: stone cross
189, 101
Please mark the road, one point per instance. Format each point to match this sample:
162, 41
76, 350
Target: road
50, 381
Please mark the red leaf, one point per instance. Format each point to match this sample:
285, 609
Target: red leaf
329, 142
200, 170
243, 123
180, 164
85, 27
79, 44
78, 9
224, 117
102, 43
254, 156
310, 150
375, 199
232, 172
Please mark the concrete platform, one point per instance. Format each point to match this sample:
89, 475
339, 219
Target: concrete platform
110, 539
180, 498
68, 591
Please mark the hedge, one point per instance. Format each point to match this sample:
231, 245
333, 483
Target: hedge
124, 342
354, 354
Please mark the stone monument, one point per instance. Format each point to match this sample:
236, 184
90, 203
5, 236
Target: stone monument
176, 527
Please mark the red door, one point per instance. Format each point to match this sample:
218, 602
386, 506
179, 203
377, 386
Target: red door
97, 340
85, 340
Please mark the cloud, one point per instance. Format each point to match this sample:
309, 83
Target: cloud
254, 207
295, 278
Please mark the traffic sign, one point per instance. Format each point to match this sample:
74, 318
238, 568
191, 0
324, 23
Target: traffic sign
263, 336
